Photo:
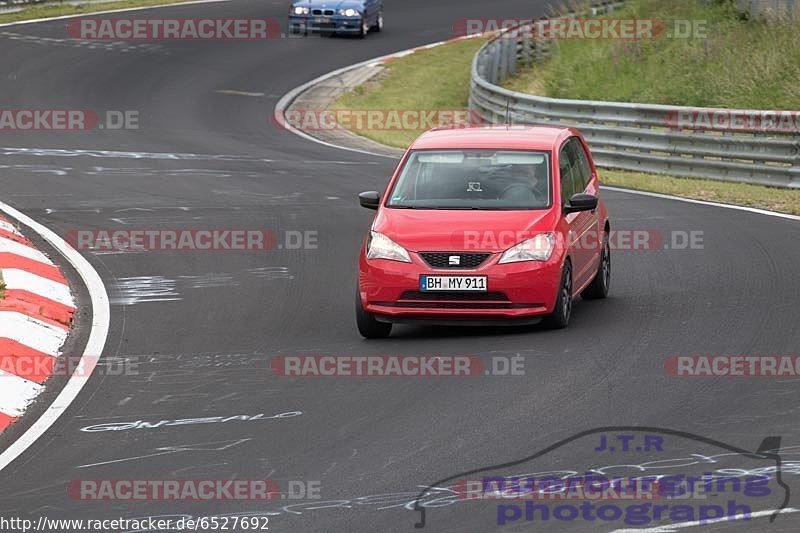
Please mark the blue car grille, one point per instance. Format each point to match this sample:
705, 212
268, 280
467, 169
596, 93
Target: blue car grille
326, 12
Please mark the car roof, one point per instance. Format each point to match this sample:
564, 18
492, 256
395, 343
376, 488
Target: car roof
494, 137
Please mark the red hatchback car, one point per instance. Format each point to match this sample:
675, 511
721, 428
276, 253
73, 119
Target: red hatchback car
493, 225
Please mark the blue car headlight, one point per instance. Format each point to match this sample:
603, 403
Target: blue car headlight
300, 10
350, 12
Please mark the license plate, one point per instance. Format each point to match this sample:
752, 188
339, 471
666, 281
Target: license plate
452, 283
322, 20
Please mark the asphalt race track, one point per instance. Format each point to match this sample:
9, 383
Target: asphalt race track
202, 327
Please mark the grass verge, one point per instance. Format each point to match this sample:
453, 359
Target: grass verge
434, 79
59, 10
728, 62
439, 79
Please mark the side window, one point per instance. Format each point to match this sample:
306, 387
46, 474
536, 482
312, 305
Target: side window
582, 161
566, 170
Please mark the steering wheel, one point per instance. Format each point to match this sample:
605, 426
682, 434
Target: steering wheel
525, 186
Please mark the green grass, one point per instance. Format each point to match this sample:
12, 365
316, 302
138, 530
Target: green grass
439, 78
781, 200
59, 10
742, 64
434, 79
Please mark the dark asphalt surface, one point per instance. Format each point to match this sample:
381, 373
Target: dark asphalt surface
201, 327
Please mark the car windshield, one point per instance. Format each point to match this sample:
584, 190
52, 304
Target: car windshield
473, 179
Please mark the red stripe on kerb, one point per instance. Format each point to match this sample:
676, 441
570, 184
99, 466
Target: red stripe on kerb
25, 362
38, 307
15, 237
5, 421
51, 272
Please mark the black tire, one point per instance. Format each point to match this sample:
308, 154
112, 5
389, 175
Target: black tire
559, 318
378, 27
367, 325
598, 289
364, 29
297, 31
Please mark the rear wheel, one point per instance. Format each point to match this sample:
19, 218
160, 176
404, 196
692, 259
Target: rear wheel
598, 289
368, 326
559, 318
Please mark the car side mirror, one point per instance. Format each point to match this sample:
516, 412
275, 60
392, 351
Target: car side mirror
581, 202
370, 199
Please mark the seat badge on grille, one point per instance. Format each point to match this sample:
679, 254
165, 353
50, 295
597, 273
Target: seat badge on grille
454, 260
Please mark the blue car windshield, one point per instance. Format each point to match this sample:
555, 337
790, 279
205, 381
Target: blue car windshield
473, 179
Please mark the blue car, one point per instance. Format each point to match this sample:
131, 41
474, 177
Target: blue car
355, 17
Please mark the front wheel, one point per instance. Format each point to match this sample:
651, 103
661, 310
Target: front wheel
368, 326
559, 318
364, 29
378, 27
598, 289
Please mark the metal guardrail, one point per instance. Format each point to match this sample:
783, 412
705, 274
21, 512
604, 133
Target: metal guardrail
770, 9
638, 137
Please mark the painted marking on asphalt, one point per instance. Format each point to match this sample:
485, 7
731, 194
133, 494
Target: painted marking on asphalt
169, 450
47, 288
140, 424
41, 336
116, 154
239, 93
704, 202
17, 393
94, 345
123, 10
45, 270
18, 248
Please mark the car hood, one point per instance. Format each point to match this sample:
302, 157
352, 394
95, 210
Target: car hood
451, 230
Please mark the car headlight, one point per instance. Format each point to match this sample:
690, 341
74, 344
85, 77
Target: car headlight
300, 10
348, 12
382, 247
539, 248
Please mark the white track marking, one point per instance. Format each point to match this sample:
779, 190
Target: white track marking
41, 336
704, 202
23, 250
46, 288
9, 227
668, 528
16, 393
101, 316
64, 17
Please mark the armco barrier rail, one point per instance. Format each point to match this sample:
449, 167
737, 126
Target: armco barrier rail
640, 137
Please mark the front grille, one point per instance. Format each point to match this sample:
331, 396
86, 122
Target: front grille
455, 296
442, 259
326, 12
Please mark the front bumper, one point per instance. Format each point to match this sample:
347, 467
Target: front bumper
321, 24
516, 292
